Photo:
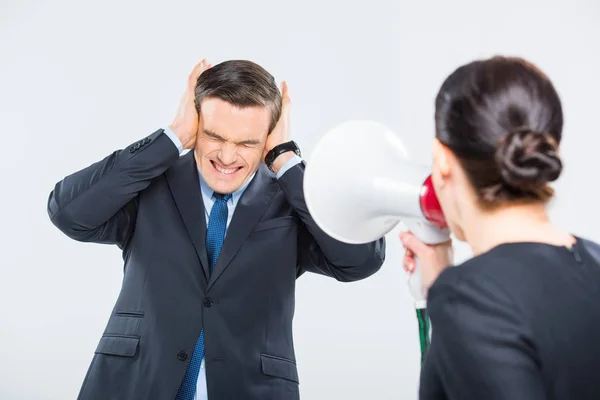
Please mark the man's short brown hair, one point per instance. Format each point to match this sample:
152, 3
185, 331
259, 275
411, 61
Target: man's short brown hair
241, 83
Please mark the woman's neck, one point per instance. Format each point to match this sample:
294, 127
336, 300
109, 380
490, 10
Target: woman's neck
519, 223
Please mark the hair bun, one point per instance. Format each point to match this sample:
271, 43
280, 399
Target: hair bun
528, 160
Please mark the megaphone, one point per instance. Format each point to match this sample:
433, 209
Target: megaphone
359, 183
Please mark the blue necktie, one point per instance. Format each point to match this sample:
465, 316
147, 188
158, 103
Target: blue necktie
215, 235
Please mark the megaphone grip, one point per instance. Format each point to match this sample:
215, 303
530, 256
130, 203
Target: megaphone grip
415, 286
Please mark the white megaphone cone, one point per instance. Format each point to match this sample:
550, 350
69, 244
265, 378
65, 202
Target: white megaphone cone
359, 184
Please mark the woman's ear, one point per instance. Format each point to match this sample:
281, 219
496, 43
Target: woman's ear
441, 161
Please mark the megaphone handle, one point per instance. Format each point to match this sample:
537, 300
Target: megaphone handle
415, 284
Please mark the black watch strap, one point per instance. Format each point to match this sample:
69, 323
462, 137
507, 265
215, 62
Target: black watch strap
279, 150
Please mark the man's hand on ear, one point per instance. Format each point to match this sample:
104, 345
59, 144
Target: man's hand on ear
185, 124
281, 132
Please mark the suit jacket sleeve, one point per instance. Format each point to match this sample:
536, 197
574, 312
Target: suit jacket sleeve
483, 347
318, 252
99, 203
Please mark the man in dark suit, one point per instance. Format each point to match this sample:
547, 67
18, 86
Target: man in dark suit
212, 241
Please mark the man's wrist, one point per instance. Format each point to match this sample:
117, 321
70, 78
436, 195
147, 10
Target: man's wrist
278, 155
184, 137
281, 160
292, 162
174, 138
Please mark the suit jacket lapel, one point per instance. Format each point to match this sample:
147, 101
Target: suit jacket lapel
185, 186
250, 208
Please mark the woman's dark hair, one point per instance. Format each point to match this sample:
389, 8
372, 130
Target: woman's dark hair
503, 120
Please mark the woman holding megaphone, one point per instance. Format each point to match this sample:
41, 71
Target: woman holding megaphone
521, 318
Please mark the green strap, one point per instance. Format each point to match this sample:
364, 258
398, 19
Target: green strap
423, 331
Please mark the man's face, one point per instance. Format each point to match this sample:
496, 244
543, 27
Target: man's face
230, 143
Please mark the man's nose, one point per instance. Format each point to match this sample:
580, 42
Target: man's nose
228, 153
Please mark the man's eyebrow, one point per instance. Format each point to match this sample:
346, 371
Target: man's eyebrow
249, 142
212, 134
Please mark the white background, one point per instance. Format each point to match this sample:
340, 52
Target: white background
79, 79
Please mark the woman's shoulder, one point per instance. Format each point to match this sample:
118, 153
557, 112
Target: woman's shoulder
481, 288
475, 272
591, 247
514, 267
492, 262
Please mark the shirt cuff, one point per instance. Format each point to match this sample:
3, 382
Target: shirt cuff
174, 139
289, 164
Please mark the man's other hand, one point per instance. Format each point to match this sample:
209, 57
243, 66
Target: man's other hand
281, 132
185, 124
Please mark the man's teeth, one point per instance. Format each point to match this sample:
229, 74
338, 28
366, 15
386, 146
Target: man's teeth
225, 170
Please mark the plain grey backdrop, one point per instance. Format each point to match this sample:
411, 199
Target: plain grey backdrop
79, 79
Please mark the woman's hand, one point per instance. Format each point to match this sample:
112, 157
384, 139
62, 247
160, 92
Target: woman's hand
433, 259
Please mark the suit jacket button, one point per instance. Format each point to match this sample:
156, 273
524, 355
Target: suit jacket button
208, 302
182, 356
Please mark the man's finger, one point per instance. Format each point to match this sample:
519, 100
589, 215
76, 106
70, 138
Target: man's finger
198, 69
285, 93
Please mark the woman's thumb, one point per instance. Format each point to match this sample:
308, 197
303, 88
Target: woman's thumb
414, 244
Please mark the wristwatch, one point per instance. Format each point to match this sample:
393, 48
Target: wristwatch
279, 150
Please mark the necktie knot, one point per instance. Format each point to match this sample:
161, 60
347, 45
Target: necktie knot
222, 197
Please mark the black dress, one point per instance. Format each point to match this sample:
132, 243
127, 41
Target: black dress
520, 322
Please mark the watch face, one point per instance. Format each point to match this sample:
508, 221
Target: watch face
280, 149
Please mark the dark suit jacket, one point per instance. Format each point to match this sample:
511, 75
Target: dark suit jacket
520, 322
146, 200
